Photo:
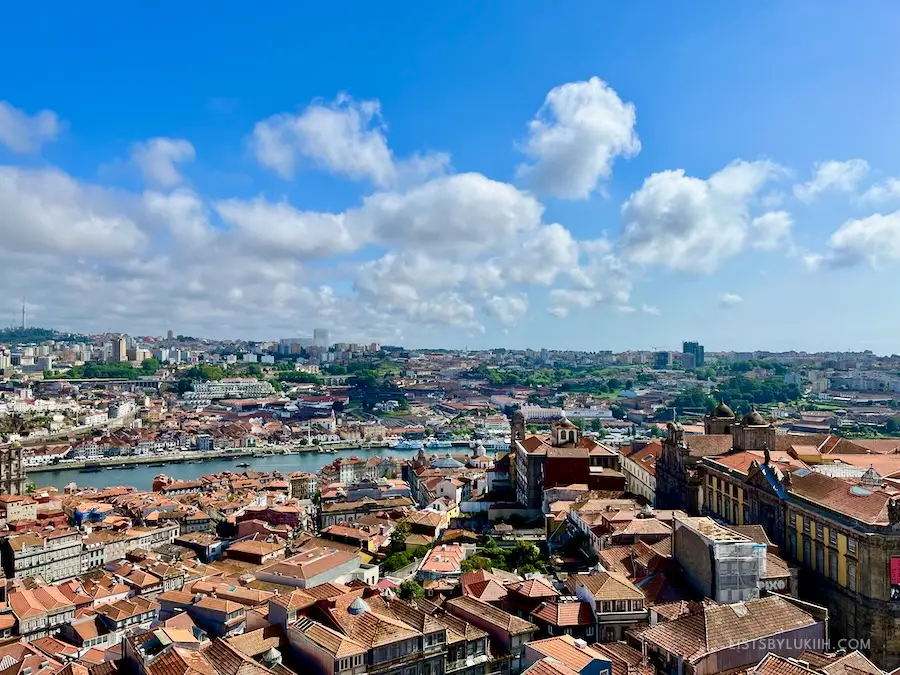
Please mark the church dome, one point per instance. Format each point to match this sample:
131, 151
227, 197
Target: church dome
753, 419
722, 411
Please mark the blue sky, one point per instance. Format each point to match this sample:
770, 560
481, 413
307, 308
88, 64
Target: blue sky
516, 174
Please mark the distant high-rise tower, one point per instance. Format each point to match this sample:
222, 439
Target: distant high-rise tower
170, 335
320, 337
120, 349
24, 323
696, 349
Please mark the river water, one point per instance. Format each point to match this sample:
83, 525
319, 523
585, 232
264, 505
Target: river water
142, 475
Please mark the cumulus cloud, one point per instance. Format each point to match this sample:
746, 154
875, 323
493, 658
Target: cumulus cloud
459, 215
690, 224
771, 230
576, 136
832, 176
507, 309
600, 278
883, 191
46, 210
872, 240
345, 137
24, 133
278, 229
158, 157
729, 300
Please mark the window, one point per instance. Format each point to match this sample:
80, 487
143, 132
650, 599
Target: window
807, 557
792, 544
820, 559
851, 575
590, 630
549, 630
832, 536
820, 531
851, 545
833, 565
621, 605
806, 525
746, 515
718, 503
727, 509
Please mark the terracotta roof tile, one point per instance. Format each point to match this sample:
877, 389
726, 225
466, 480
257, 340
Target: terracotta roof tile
565, 614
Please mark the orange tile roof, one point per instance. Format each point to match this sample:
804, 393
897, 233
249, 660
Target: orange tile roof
533, 588
565, 613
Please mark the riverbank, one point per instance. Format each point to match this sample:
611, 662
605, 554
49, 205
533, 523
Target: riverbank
141, 475
196, 456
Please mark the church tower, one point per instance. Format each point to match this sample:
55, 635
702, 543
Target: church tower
720, 421
517, 430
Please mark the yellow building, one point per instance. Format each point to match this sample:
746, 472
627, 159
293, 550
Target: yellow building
844, 532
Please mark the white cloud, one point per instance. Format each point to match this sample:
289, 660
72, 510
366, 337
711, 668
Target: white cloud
728, 300
690, 224
157, 159
600, 278
832, 176
279, 229
458, 215
47, 211
182, 212
24, 133
576, 136
345, 137
865, 240
883, 191
507, 309
652, 311
771, 230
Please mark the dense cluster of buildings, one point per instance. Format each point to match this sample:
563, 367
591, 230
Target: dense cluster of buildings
539, 528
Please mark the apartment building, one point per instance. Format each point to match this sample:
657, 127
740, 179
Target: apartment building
507, 630
318, 565
725, 638
303, 485
54, 555
361, 632
639, 466
40, 612
617, 604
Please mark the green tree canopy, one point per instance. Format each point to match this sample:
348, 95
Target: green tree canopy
410, 590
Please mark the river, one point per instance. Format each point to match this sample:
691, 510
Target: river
142, 475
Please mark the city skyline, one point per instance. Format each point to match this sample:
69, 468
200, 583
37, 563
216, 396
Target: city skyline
576, 183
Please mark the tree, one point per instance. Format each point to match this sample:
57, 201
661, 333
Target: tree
892, 425
595, 424
618, 412
476, 562
398, 537
524, 554
150, 366
31, 488
410, 590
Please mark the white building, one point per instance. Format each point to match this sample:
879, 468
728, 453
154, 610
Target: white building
230, 388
